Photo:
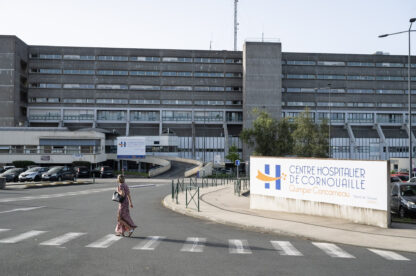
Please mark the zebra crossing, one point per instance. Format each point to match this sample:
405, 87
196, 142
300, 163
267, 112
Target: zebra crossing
194, 245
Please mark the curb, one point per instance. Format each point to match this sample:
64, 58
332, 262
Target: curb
55, 184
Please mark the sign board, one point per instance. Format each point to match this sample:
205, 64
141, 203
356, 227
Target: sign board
237, 162
343, 182
131, 147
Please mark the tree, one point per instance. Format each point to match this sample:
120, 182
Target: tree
284, 143
309, 139
233, 154
263, 135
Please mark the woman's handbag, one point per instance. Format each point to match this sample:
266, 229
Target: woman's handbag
117, 197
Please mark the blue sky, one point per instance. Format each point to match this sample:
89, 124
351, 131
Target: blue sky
329, 26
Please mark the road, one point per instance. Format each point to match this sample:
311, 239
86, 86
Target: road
68, 231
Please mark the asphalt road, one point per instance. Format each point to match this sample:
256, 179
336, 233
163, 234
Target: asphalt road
78, 223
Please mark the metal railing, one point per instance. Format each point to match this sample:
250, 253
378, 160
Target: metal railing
192, 185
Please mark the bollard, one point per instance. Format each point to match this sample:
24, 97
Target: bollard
2, 182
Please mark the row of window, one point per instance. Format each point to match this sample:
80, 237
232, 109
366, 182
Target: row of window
344, 104
134, 87
137, 73
120, 115
343, 77
342, 90
350, 63
355, 117
127, 101
138, 58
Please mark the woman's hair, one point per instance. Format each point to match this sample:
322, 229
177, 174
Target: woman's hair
120, 178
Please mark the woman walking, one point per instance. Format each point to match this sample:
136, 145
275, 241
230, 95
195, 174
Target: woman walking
124, 221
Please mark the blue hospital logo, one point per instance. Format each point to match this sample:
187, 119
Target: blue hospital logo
267, 178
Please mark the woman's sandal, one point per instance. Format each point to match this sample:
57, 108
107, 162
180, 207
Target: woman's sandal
131, 232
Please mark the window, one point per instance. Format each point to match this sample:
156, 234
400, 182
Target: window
233, 75
390, 105
389, 91
112, 86
389, 118
45, 71
388, 64
309, 77
333, 104
112, 101
45, 56
176, 59
79, 72
144, 115
181, 102
144, 87
144, 101
360, 117
209, 116
234, 60
78, 86
147, 59
113, 58
233, 102
300, 104
169, 74
361, 91
361, 78
45, 85
331, 63
390, 78
78, 114
111, 115
145, 73
361, 64
78, 101
234, 116
176, 115
210, 60
336, 117
177, 88
112, 72
330, 77
209, 103
209, 74
44, 114
359, 104
79, 57
234, 88
300, 62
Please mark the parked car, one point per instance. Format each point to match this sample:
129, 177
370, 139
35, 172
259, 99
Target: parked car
33, 174
12, 174
403, 199
103, 171
394, 179
59, 173
82, 171
412, 180
403, 177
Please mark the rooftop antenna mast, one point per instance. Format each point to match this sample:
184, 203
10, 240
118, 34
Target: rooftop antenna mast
235, 25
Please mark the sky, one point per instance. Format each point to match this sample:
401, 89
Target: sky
316, 26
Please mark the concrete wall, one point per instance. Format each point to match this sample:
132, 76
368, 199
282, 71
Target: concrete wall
262, 82
357, 215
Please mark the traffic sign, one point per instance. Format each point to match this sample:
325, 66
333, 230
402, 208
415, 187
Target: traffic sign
237, 162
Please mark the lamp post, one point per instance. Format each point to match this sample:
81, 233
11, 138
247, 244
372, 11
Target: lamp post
411, 20
329, 125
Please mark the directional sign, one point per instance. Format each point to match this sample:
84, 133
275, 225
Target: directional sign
237, 162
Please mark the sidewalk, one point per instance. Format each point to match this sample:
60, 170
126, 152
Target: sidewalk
219, 204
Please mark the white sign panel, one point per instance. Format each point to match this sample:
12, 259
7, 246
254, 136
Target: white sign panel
131, 147
344, 182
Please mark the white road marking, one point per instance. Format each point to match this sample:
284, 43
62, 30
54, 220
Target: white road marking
105, 241
4, 230
333, 250
22, 209
22, 237
389, 255
286, 248
194, 244
62, 239
83, 192
239, 247
150, 243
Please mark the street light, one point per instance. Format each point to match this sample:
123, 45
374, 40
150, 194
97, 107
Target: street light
410, 93
329, 128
